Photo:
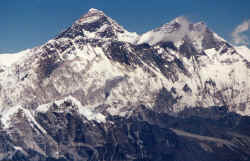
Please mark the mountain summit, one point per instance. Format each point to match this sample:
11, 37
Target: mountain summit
180, 30
96, 25
98, 92
103, 65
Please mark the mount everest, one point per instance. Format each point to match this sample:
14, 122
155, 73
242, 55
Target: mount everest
96, 77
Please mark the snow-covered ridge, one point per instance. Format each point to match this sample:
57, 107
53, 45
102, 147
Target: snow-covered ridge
9, 114
106, 26
92, 16
11, 58
244, 51
172, 31
97, 63
180, 30
74, 103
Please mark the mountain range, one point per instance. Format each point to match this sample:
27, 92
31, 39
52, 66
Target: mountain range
98, 92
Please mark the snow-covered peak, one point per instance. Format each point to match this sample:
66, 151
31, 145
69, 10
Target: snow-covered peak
181, 30
91, 16
173, 25
88, 62
94, 10
173, 31
95, 24
179, 20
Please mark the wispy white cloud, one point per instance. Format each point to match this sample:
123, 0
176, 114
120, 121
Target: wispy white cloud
238, 33
174, 34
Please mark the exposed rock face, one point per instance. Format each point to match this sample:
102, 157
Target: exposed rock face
95, 50
59, 131
99, 92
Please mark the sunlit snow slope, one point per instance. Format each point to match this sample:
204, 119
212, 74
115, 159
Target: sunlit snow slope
108, 70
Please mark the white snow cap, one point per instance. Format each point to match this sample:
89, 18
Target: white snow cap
180, 19
95, 10
91, 16
94, 15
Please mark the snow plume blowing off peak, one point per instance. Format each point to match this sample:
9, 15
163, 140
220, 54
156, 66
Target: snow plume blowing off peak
173, 31
180, 24
238, 34
166, 32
